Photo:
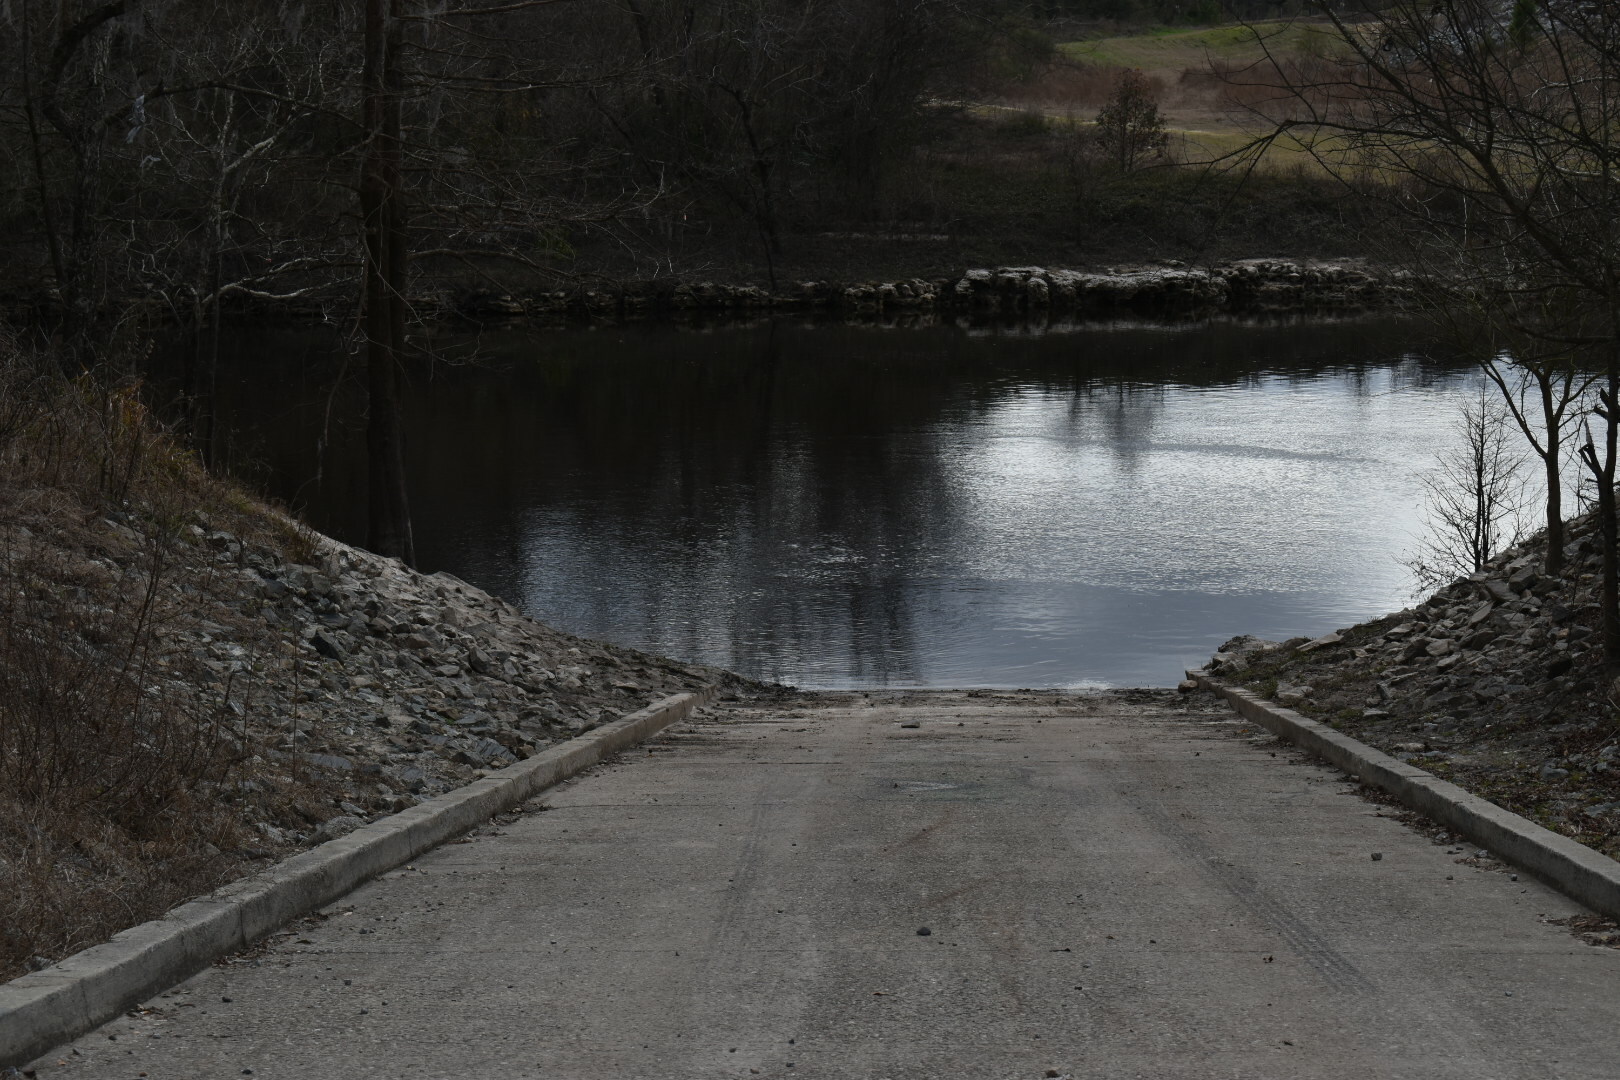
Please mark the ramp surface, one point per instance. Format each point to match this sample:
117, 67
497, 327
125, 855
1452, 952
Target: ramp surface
1015, 885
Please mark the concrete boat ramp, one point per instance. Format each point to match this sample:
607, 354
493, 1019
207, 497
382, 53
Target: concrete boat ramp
907, 885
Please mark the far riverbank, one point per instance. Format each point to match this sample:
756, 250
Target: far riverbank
1163, 288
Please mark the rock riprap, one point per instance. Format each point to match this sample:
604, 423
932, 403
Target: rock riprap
397, 685
1248, 285
1495, 682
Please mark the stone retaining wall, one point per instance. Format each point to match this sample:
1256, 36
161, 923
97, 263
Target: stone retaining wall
1250, 285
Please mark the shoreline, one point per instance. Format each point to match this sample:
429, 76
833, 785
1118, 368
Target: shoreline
1244, 286
1170, 287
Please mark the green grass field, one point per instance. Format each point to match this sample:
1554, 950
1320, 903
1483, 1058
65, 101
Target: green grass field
1177, 50
1203, 124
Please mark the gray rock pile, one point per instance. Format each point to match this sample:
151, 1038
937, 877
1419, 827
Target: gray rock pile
1250, 285
1496, 681
393, 685
194, 685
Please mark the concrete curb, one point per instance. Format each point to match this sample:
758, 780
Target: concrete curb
49, 1007
1572, 868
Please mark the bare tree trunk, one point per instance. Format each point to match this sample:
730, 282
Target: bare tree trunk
1557, 388
207, 435
71, 250
764, 205
1602, 469
381, 209
1606, 517
649, 53
47, 209
1552, 420
205, 401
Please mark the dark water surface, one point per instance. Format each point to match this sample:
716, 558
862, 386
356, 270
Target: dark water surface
836, 505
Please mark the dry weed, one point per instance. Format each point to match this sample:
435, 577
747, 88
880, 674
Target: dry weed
121, 752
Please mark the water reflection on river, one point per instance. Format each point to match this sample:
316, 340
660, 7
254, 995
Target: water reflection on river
853, 506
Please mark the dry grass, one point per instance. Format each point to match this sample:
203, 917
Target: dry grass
120, 750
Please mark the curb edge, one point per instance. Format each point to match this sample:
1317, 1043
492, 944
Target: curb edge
1570, 867
49, 1007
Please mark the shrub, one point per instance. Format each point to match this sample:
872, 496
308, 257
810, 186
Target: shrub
1130, 128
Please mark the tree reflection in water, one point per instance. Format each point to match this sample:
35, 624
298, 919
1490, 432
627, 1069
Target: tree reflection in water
851, 505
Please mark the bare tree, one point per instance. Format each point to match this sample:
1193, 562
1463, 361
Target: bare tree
1488, 136
193, 157
144, 125
387, 248
1476, 492
1541, 382
1545, 396
67, 95
771, 112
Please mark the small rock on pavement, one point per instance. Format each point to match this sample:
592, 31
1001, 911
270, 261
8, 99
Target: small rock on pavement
1378, 856
923, 931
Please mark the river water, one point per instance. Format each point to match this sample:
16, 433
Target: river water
858, 506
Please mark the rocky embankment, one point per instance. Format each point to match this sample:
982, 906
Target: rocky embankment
1495, 682
193, 693
1251, 285
392, 686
